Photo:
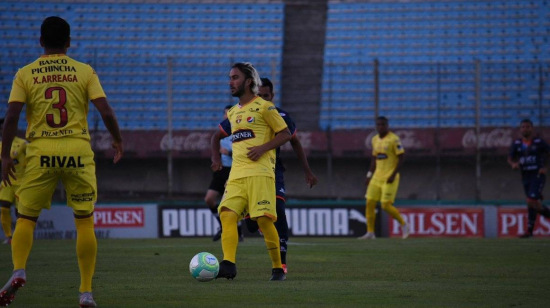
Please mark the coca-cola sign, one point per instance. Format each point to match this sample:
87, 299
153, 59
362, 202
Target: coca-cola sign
440, 222
496, 138
193, 141
512, 222
452, 141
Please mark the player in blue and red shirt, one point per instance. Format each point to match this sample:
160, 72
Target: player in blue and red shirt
530, 154
266, 92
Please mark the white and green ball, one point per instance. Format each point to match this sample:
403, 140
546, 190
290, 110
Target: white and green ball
204, 266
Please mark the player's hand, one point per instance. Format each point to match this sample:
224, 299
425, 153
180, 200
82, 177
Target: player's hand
311, 180
515, 165
255, 152
8, 170
543, 170
391, 179
119, 150
216, 164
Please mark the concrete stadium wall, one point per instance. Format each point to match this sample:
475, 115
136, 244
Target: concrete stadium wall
147, 179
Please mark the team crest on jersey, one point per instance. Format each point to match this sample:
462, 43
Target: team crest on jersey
250, 119
239, 119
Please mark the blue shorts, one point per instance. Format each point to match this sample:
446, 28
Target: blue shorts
533, 186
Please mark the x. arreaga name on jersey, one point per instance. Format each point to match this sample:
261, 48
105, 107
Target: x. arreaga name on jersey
54, 65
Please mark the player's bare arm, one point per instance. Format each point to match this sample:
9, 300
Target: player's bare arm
311, 180
108, 116
8, 134
372, 168
215, 146
281, 138
400, 159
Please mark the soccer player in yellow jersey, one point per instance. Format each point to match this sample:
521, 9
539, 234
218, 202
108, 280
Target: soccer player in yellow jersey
257, 130
383, 176
7, 193
56, 90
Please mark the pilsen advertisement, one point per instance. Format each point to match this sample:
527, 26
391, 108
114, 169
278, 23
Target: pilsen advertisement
452, 141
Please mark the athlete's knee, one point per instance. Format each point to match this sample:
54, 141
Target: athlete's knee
533, 204
80, 214
386, 205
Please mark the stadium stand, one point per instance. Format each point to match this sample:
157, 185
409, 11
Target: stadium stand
419, 43
129, 45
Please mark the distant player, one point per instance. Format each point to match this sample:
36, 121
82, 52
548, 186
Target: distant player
383, 176
266, 92
219, 178
7, 193
257, 130
530, 154
56, 90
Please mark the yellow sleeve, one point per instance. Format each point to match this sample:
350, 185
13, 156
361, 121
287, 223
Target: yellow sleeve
397, 146
273, 118
94, 87
372, 145
18, 93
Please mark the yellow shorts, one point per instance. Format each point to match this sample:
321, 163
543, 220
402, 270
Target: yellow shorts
253, 195
381, 190
7, 193
70, 160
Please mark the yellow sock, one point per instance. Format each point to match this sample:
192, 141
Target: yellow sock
271, 238
230, 238
371, 215
21, 243
86, 251
390, 209
5, 219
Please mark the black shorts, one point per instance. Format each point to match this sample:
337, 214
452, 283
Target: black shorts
218, 180
533, 186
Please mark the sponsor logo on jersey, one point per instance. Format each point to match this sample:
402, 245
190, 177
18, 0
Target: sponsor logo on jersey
254, 110
250, 119
61, 162
381, 156
239, 119
242, 134
263, 202
271, 108
83, 197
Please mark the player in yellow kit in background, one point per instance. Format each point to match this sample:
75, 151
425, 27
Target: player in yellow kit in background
7, 193
56, 91
257, 130
383, 177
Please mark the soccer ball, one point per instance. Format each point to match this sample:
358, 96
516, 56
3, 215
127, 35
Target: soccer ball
204, 266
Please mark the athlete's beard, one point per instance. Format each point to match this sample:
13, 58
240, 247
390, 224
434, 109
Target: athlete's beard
239, 91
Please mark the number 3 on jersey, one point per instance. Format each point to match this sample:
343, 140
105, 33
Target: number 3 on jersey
63, 116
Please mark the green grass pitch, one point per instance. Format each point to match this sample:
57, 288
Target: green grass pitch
323, 272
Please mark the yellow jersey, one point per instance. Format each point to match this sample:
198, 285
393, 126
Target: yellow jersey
18, 153
252, 125
56, 90
385, 151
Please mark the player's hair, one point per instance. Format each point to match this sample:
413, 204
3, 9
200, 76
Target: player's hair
526, 121
267, 83
55, 32
227, 107
250, 72
383, 119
